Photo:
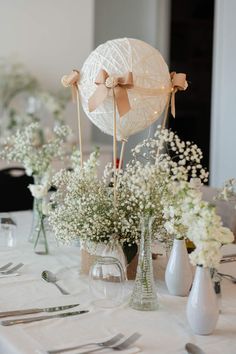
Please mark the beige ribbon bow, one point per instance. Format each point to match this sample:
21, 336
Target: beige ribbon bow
71, 80
179, 83
119, 85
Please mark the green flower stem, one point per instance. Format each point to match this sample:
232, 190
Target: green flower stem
41, 229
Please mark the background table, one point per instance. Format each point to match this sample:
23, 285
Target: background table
163, 331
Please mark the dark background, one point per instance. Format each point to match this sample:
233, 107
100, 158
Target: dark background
191, 42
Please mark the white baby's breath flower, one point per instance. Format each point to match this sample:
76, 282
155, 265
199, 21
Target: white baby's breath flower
27, 148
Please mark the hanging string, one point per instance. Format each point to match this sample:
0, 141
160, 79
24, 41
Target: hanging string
72, 80
163, 125
79, 126
114, 146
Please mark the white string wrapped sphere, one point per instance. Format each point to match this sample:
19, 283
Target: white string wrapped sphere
118, 57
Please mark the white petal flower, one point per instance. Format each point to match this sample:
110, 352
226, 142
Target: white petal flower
38, 191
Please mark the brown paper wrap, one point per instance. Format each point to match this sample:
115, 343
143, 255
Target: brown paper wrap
87, 260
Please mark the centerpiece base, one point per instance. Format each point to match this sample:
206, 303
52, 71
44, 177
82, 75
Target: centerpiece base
87, 259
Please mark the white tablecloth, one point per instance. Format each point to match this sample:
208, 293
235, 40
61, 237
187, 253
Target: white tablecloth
163, 331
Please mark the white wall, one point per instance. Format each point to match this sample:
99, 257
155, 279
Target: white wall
51, 37
223, 120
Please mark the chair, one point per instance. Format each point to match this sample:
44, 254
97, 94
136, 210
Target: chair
14, 192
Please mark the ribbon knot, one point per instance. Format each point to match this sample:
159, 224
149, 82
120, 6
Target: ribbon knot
118, 85
179, 83
111, 82
71, 80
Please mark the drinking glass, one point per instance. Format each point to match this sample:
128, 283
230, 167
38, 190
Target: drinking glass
7, 231
107, 280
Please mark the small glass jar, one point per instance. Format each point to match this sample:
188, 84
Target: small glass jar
107, 280
7, 231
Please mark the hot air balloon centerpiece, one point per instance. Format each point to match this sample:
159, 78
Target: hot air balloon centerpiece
123, 87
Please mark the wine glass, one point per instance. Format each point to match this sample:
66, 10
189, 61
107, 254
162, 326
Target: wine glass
107, 280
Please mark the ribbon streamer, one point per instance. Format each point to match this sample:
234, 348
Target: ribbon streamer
118, 85
179, 83
72, 80
114, 146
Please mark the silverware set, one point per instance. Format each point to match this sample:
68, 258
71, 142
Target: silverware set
38, 318
117, 343
36, 310
41, 318
10, 270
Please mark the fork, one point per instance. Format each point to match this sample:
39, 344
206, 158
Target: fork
108, 342
231, 277
12, 270
122, 346
6, 266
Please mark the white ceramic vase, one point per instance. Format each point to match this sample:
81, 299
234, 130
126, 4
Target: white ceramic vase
179, 275
202, 306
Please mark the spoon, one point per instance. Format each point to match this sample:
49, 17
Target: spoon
193, 349
51, 278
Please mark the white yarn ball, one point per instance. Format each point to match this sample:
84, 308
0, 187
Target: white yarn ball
118, 57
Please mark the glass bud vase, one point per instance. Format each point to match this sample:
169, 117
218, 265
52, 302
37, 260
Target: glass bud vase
35, 215
35, 221
144, 295
39, 234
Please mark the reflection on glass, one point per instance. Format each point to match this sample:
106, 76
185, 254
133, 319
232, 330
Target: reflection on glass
107, 279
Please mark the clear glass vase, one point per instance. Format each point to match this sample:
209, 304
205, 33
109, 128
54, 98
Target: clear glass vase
36, 214
35, 222
39, 233
144, 295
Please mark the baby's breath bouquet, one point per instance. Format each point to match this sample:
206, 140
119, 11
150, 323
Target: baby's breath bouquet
29, 148
83, 205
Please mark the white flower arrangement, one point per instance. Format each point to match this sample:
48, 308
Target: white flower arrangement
83, 206
201, 225
27, 148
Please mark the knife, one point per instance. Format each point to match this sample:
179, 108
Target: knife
228, 259
29, 311
9, 275
229, 255
40, 318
